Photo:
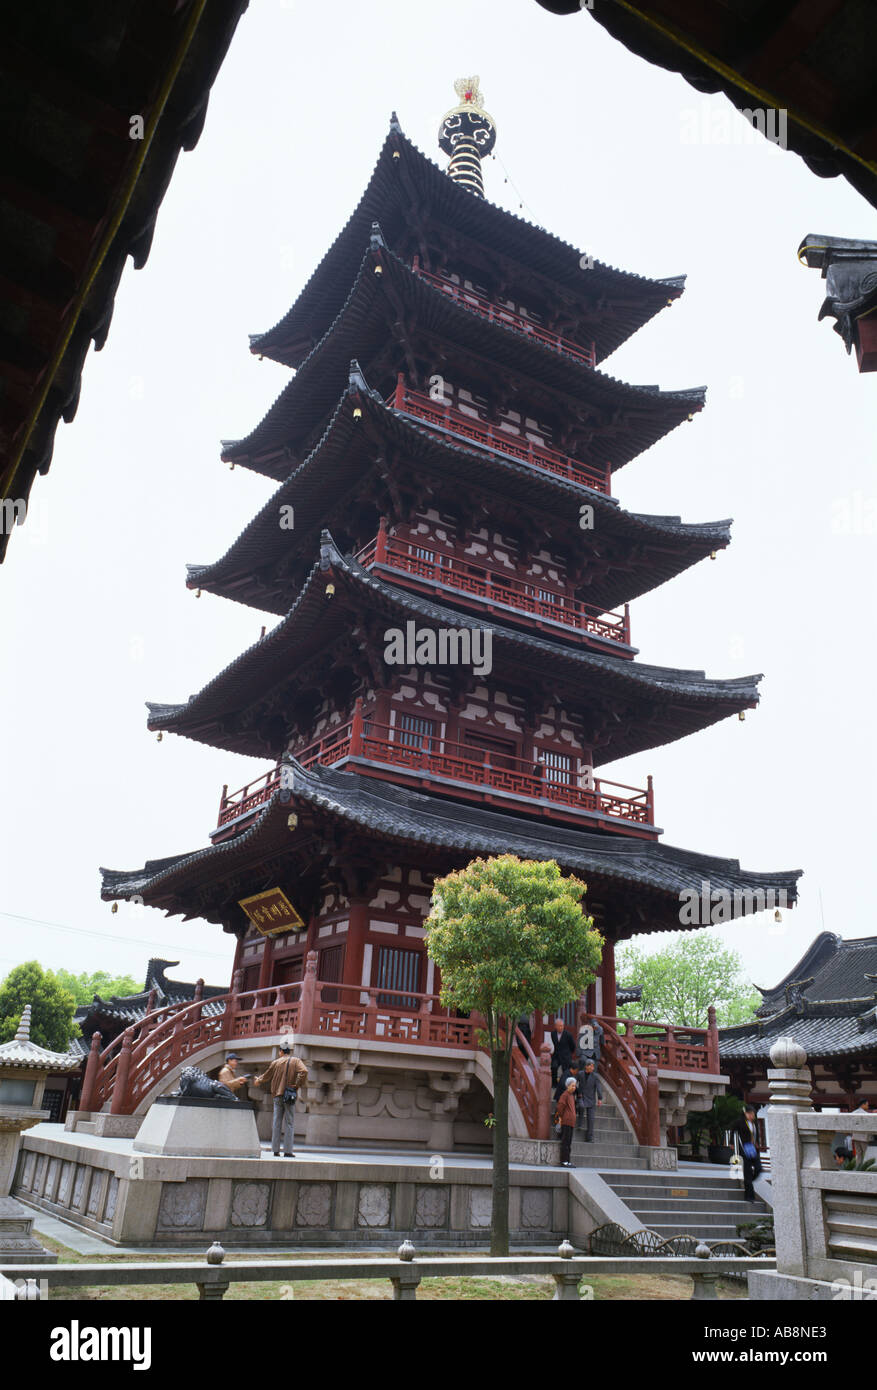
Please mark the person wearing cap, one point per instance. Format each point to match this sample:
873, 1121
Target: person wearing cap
566, 1118
228, 1075
283, 1078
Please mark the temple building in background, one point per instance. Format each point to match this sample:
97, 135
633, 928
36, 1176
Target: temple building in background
454, 661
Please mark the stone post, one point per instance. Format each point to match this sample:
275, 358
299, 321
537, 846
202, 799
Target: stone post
790, 1085
653, 1106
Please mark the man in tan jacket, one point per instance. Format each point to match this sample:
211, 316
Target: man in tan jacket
286, 1073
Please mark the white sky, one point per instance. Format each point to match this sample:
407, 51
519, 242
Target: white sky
599, 144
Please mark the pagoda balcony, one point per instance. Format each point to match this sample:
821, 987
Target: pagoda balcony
458, 770
471, 429
539, 605
498, 313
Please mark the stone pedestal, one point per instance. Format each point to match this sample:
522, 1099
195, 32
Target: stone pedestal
185, 1126
17, 1244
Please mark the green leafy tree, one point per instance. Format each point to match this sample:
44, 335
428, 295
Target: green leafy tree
84, 987
680, 981
52, 1023
510, 938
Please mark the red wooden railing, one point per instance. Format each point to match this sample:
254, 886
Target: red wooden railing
121, 1077
488, 436
459, 763
123, 1074
530, 597
497, 313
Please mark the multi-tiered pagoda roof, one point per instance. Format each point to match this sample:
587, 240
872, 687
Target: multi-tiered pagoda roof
445, 431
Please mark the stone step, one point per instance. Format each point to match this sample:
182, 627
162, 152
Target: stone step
689, 1204
589, 1160
710, 1217
613, 1155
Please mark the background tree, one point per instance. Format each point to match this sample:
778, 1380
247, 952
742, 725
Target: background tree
84, 987
52, 1023
510, 938
679, 982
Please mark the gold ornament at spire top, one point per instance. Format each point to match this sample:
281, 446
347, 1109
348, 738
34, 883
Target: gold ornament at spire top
467, 90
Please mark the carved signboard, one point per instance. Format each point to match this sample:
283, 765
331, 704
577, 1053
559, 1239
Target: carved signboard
271, 912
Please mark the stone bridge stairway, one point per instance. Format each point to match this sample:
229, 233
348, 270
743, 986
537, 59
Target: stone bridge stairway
708, 1204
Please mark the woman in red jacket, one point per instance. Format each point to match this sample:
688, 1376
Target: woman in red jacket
566, 1118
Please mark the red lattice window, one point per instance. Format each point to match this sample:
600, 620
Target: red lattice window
397, 970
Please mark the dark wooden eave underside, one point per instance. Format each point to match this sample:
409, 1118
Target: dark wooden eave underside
815, 59
234, 710
411, 189
382, 820
401, 306
265, 560
72, 78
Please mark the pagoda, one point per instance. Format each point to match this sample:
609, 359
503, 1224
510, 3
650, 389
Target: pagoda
453, 662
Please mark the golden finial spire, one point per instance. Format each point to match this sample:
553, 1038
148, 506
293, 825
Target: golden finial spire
467, 134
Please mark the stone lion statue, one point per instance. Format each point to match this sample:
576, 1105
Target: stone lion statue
196, 1083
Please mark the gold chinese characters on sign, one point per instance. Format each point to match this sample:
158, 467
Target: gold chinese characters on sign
271, 912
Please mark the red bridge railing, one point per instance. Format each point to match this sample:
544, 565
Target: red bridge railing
474, 430
529, 597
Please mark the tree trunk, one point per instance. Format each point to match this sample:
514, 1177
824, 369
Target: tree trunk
499, 1220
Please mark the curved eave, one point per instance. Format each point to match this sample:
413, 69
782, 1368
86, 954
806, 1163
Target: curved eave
361, 328
347, 451
688, 700
394, 184
415, 820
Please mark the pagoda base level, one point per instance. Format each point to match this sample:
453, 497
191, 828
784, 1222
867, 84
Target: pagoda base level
154, 1202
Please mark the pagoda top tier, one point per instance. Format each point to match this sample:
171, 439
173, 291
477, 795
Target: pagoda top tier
408, 194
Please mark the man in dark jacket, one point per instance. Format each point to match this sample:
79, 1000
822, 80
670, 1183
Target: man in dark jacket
591, 1094
746, 1131
564, 1045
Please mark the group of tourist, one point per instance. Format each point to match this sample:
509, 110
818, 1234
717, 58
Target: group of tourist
577, 1089
282, 1078
848, 1148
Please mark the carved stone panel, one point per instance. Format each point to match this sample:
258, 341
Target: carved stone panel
663, 1159
40, 1175
94, 1192
431, 1206
536, 1209
30, 1164
78, 1188
314, 1205
52, 1179
480, 1204
64, 1184
249, 1203
112, 1197
183, 1205
374, 1205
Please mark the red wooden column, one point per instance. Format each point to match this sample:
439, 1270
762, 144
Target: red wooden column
267, 966
356, 934
607, 975
92, 1066
120, 1088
